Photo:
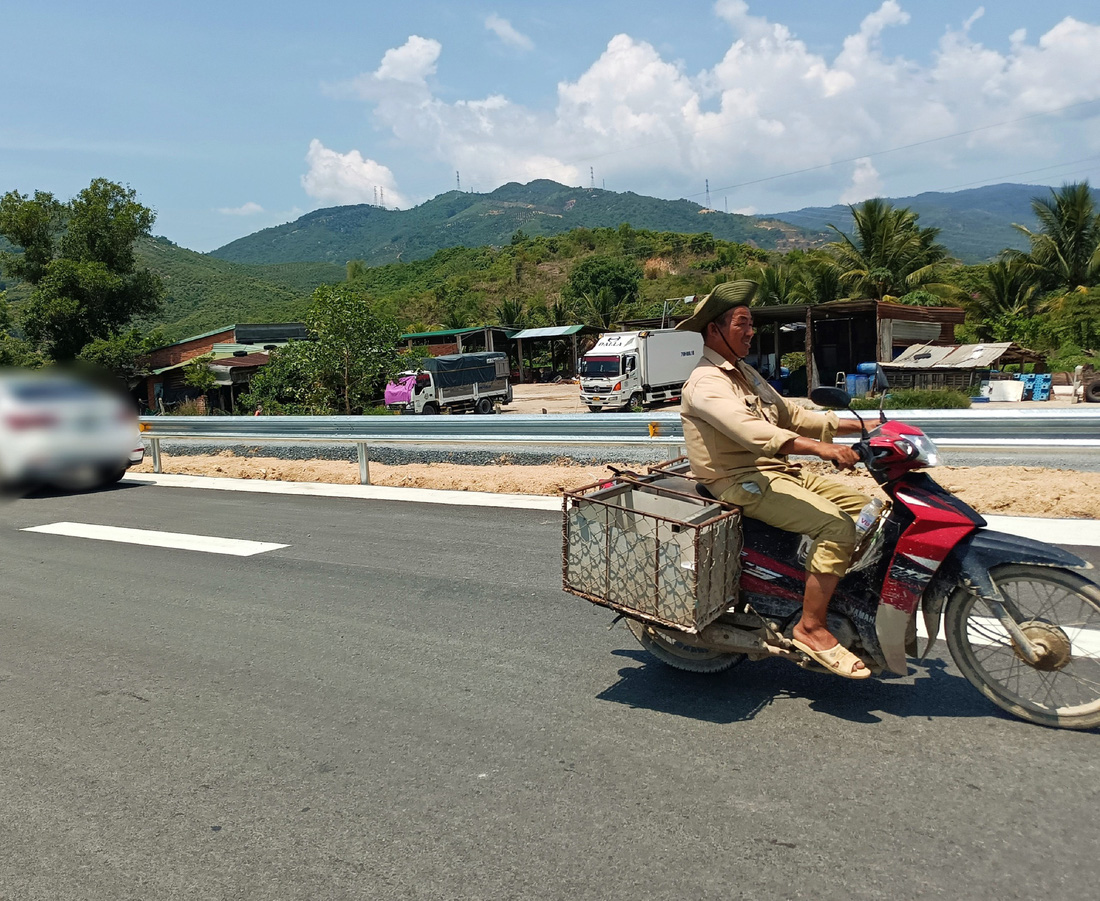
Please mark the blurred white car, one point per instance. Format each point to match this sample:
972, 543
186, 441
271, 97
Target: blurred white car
57, 428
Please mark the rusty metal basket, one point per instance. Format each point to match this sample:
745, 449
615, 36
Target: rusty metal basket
651, 547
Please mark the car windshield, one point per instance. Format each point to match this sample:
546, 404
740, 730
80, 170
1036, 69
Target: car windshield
600, 366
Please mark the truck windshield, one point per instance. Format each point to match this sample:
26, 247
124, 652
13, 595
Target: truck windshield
599, 365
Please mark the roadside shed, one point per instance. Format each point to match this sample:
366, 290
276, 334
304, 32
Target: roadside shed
555, 335
963, 366
460, 340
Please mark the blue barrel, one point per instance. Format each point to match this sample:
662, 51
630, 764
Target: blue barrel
867, 368
857, 385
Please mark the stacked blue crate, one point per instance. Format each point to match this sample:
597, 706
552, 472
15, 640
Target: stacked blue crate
1042, 388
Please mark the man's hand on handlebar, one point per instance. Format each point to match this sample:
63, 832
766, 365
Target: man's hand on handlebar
840, 455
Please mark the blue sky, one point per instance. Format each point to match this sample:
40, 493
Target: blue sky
229, 117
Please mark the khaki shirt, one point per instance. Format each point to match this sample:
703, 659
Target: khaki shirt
734, 427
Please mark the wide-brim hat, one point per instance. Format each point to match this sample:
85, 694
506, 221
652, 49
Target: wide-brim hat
725, 297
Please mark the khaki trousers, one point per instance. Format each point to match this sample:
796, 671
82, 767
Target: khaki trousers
808, 504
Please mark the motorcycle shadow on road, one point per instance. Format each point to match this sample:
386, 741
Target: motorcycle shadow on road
741, 693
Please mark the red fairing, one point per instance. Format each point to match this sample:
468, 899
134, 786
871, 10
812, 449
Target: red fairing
940, 523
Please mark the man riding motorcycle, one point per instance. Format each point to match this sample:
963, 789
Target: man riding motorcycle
739, 432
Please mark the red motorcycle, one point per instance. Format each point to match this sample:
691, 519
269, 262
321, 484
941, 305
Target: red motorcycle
1022, 622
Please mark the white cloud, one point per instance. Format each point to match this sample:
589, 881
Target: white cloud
344, 178
865, 183
247, 209
769, 107
504, 30
412, 62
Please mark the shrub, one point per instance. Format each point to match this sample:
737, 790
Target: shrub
916, 399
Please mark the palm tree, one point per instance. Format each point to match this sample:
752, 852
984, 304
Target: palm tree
890, 254
511, 312
775, 285
818, 279
1067, 246
1009, 289
603, 308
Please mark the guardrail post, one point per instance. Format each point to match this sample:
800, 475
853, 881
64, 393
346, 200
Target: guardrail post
364, 463
156, 454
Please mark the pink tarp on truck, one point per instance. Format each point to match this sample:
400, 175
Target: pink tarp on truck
400, 392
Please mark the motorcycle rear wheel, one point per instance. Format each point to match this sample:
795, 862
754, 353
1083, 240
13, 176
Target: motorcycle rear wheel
677, 654
1060, 611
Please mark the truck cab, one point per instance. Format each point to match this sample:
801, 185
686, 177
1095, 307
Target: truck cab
637, 369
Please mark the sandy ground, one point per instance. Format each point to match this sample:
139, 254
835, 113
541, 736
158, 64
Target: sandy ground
1021, 491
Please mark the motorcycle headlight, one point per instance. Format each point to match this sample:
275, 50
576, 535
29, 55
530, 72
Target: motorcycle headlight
920, 448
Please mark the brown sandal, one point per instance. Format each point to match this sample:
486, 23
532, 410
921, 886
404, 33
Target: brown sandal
837, 659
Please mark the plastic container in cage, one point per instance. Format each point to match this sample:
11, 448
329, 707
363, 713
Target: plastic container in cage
652, 548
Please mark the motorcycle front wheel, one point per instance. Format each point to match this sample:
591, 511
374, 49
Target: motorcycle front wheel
1059, 612
677, 654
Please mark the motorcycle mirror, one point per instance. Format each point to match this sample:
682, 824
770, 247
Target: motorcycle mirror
836, 398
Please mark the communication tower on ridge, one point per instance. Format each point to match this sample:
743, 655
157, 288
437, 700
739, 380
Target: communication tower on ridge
458, 181
592, 178
708, 192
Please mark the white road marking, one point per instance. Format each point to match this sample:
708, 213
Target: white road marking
364, 492
1081, 532
234, 547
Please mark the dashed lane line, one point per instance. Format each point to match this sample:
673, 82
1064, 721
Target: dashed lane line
233, 547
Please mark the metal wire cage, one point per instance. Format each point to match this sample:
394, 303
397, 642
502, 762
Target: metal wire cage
651, 548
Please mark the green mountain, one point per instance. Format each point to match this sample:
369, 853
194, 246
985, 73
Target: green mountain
456, 219
203, 293
975, 225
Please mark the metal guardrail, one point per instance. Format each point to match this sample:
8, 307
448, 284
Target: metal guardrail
1037, 429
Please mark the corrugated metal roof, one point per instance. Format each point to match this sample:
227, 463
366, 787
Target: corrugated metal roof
253, 359
965, 356
553, 331
452, 332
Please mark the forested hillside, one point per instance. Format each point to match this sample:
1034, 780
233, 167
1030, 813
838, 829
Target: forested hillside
204, 293
455, 219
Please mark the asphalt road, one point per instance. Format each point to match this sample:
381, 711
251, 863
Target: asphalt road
403, 704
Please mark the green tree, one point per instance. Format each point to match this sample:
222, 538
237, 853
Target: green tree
355, 349
617, 275
121, 354
1066, 248
79, 257
197, 374
14, 351
342, 370
889, 254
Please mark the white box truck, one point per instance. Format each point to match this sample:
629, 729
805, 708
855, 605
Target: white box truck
638, 369
456, 383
